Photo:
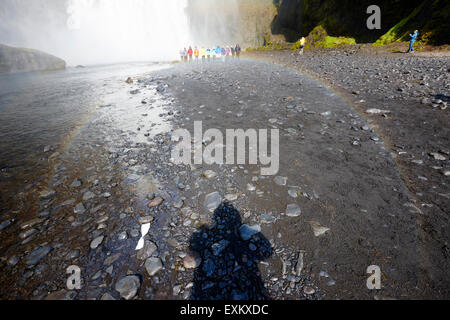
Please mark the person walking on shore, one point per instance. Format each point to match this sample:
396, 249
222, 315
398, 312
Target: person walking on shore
203, 54
196, 54
412, 41
302, 45
190, 53
238, 51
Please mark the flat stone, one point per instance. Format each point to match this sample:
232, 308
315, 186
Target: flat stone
153, 266
247, 232
231, 197
293, 210
110, 260
209, 174
156, 202
281, 181
218, 247
128, 287
212, 201
147, 251
96, 242
88, 196
47, 194
438, 156
76, 183
30, 223
5, 224
79, 209
38, 255
318, 229
27, 233
107, 297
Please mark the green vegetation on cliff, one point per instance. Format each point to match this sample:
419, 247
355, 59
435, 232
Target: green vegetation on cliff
347, 19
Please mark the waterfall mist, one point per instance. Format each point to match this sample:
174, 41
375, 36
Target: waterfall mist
105, 31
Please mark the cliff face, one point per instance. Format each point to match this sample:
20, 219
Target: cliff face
348, 18
26, 60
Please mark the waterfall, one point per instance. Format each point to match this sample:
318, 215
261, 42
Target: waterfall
131, 30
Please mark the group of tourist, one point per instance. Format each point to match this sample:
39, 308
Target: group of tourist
188, 55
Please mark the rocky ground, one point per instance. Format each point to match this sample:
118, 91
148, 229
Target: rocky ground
405, 99
337, 205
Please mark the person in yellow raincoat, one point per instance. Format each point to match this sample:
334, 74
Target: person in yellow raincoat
302, 45
203, 54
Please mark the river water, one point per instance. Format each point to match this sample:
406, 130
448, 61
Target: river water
46, 109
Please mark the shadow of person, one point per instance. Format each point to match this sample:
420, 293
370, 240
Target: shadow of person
229, 264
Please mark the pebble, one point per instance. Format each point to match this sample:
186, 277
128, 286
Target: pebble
47, 194
212, 201
153, 266
88, 196
147, 251
247, 232
128, 287
38, 255
281, 181
156, 202
96, 242
79, 209
318, 229
209, 174
293, 210
192, 261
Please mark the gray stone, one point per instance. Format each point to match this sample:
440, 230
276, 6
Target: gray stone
153, 266
209, 174
147, 251
96, 242
128, 287
38, 255
79, 209
293, 210
281, 181
247, 232
88, 196
47, 194
192, 261
212, 201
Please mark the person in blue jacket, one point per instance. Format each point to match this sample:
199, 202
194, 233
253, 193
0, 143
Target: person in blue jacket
413, 39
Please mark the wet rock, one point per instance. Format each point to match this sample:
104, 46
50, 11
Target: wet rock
76, 183
218, 247
128, 287
318, 229
178, 203
156, 202
192, 261
96, 242
146, 220
377, 111
79, 209
293, 210
438, 156
27, 233
281, 181
30, 223
47, 194
147, 251
88, 196
231, 197
309, 291
212, 201
5, 224
209, 174
38, 255
107, 297
247, 232
153, 266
